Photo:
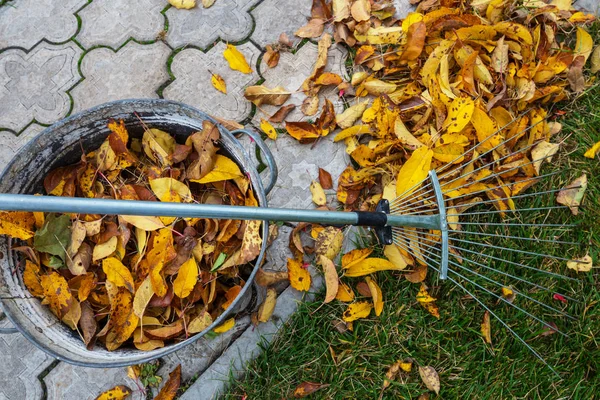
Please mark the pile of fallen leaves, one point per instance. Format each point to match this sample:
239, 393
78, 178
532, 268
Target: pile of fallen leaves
461, 85
143, 280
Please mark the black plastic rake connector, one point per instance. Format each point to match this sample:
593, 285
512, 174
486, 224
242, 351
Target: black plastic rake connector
384, 233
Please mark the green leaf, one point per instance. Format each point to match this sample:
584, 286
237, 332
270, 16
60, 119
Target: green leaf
56, 263
219, 262
54, 237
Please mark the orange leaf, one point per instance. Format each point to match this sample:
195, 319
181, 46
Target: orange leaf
169, 390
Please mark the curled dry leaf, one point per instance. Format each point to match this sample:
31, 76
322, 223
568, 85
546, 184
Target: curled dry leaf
430, 378
282, 113
171, 386
313, 29
331, 278
486, 328
271, 57
268, 306
262, 95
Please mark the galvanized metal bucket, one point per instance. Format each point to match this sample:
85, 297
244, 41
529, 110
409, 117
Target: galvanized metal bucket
62, 144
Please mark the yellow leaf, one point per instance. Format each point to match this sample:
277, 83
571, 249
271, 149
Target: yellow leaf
144, 223
392, 252
183, 4
476, 32
341, 10
186, 279
117, 393
486, 328
352, 131
331, 278
207, 3
298, 276
404, 135
355, 256
376, 294
383, 35
225, 326
31, 278
318, 194
56, 293
268, 129
350, 115
268, 306
142, 297
370, 265
581, 264
357, 310
223, 170
329, 242
10, 224
236, 60
376, 87
460, 114
423, 296
414, 171
430, 378
117, 273
449, 153
591, 152
361, 10
200, 322
583, 45
411, 18
344, 293
166, 188
514, 31
595, 60
105, 249
158, 146
218, 83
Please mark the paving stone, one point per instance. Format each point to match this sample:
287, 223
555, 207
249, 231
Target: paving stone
279, 251
135, 71
67, 381
10, 144
112, 22
192, 81
228, 20
592, 6
197, 357
273, 17
23, 23
248, 346
34, 84
21, 364
403, 7
292, 70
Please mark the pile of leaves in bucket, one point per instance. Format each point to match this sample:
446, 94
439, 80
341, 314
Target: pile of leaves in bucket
136, 279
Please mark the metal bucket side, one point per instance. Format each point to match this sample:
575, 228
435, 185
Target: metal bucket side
61, 144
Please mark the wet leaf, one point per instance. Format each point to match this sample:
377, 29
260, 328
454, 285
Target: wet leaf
237, 61
581, 264
307, 388
218, 83
298, 276
171, 386
118, 392
430, 378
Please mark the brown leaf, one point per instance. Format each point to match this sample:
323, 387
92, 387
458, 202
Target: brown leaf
302, 131
310, 105
486, 328
418, 275
313, 29
325, 179
280, 114
87, 323
575, 75
416, 41
271, 57
169, 390
307, 388
572, 194
205, 144
269, 278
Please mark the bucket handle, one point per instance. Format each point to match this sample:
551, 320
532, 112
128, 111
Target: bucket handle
268, 156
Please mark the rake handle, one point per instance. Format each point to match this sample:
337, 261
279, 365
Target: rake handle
23, 202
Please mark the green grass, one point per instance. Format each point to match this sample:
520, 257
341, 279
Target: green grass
309, 348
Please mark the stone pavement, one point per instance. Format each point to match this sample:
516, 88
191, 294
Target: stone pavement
61, 57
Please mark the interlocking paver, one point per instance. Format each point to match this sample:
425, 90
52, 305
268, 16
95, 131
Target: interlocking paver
228, 20
67, 381
192, 69
276, 16
11, 143
35, 84
21, 364
292, 70
23, 23
112, 22
135, 71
